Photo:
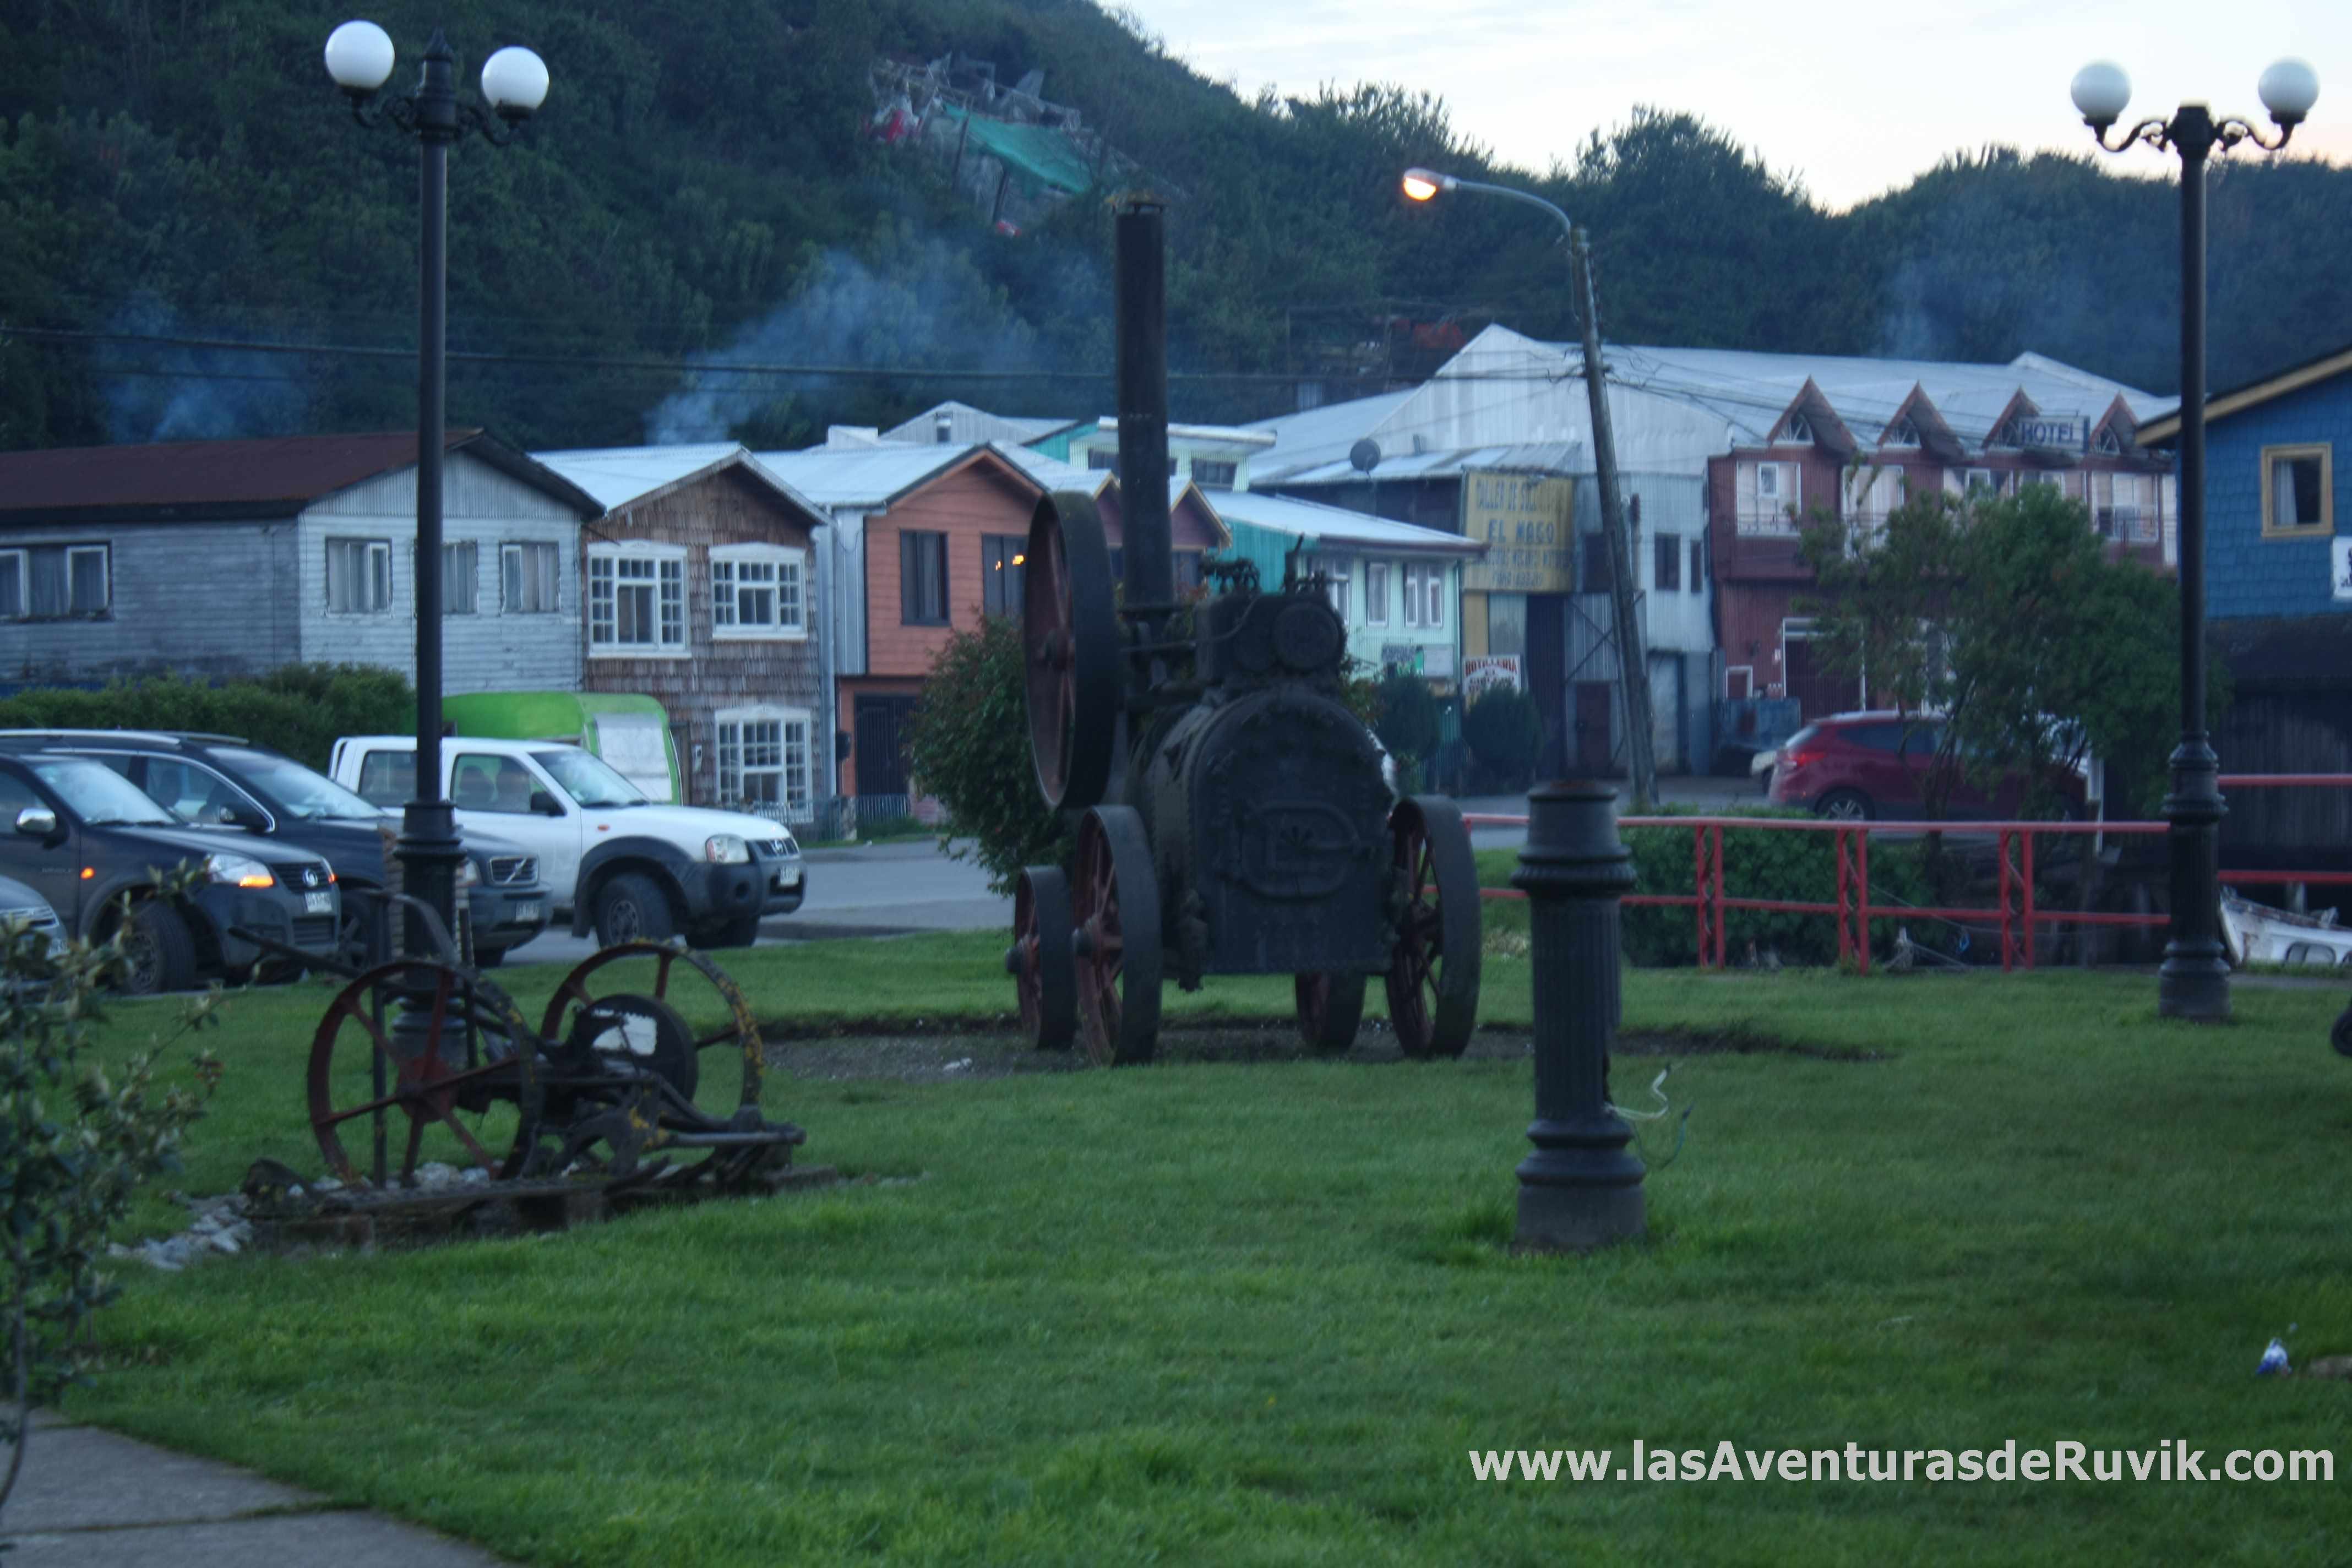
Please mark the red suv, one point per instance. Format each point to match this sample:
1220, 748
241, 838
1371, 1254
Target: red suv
1858, 766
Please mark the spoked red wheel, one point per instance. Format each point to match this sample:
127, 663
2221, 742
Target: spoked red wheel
471, 1054
720, 1086
1433, 976
1117, 906
1069, 634
1045, 975
1329, 1008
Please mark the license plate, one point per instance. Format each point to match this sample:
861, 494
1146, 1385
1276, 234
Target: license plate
791, 879
527, 911
318, 903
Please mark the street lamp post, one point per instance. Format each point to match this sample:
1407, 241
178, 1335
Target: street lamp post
514, 83
2194, 983
1632, 662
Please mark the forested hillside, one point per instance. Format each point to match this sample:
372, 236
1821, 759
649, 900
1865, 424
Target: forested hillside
179, 174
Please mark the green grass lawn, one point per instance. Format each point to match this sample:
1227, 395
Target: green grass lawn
1227, 1313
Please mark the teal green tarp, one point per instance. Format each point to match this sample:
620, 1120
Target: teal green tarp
1040, 159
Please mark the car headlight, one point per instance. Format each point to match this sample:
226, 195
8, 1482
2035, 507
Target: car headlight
469, 875
243, 870
726, 850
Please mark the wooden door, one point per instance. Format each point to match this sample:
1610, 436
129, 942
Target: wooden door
882, 726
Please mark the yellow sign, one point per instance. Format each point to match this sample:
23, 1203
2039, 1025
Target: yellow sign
1529, 525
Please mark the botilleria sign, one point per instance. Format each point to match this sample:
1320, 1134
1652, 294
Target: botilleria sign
1529, 522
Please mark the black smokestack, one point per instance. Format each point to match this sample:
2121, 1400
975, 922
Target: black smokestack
1143, 408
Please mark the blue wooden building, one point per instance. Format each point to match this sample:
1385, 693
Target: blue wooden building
2278, 598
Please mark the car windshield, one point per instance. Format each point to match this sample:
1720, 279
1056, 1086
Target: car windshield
587, 780
308, 795
99, 795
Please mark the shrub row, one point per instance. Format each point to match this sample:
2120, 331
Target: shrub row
298, 710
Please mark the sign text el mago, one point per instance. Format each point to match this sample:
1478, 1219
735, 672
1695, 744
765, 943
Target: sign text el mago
1528, 523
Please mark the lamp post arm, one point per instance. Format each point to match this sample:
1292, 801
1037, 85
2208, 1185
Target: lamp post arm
1529, 197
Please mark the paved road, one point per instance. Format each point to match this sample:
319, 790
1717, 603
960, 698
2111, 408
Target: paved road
1703, 792
888, 889
878, 891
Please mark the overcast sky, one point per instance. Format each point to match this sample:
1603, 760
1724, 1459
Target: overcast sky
1854, 99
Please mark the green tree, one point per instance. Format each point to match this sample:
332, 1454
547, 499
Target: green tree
2007, 616
971, 751
1505, 732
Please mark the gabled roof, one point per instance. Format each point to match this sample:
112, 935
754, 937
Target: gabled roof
277, 475
1927, 423
1750, 390
623, 477
2251, 394
873, 479
1053, 474
1315, 522
966, 425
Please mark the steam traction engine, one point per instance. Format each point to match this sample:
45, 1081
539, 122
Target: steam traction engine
1231, 815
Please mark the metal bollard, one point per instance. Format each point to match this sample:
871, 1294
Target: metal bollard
1582, 1188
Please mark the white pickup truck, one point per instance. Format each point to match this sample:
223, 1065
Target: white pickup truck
616, 863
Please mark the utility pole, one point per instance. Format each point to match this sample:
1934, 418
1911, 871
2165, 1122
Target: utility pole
1632, 663
1632, 657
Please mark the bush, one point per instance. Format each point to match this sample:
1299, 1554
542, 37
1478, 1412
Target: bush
76, 1141
1504, 732
1795, 866
300, 710
1408, 724
971, 750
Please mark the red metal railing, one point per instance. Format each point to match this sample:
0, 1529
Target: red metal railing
2016, 914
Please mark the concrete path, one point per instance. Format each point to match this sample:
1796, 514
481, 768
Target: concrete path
89, 1499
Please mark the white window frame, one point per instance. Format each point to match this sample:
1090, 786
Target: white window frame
1424, 594
22, 558
525, 550
790, 569
668, 564
1339, 576
375, 557
453, 574
792, 755
1757, 513
1376, 593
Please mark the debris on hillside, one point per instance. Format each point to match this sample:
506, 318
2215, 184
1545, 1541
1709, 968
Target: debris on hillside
1009, 151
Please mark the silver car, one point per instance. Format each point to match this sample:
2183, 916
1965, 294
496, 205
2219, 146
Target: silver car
21, 904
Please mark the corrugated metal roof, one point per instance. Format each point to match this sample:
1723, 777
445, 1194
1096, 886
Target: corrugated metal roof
966, 426
622, 477
1337, 525
871, 478
1322, 435
272, 477
1541, 458
1750, 390
1056, 475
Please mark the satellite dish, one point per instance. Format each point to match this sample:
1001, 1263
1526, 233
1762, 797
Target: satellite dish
1365, 454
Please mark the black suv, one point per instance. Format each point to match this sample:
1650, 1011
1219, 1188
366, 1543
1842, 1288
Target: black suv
82, 836
224, 780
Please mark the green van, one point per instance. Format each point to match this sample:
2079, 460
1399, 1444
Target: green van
630, 733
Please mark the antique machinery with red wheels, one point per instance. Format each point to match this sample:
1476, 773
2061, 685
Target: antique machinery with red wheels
1230, 810
625, 1077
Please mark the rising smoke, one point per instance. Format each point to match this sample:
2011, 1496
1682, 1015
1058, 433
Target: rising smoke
926, 307
197, 393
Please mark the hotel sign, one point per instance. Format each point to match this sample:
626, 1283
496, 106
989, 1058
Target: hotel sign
1527, 523
2053, 434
